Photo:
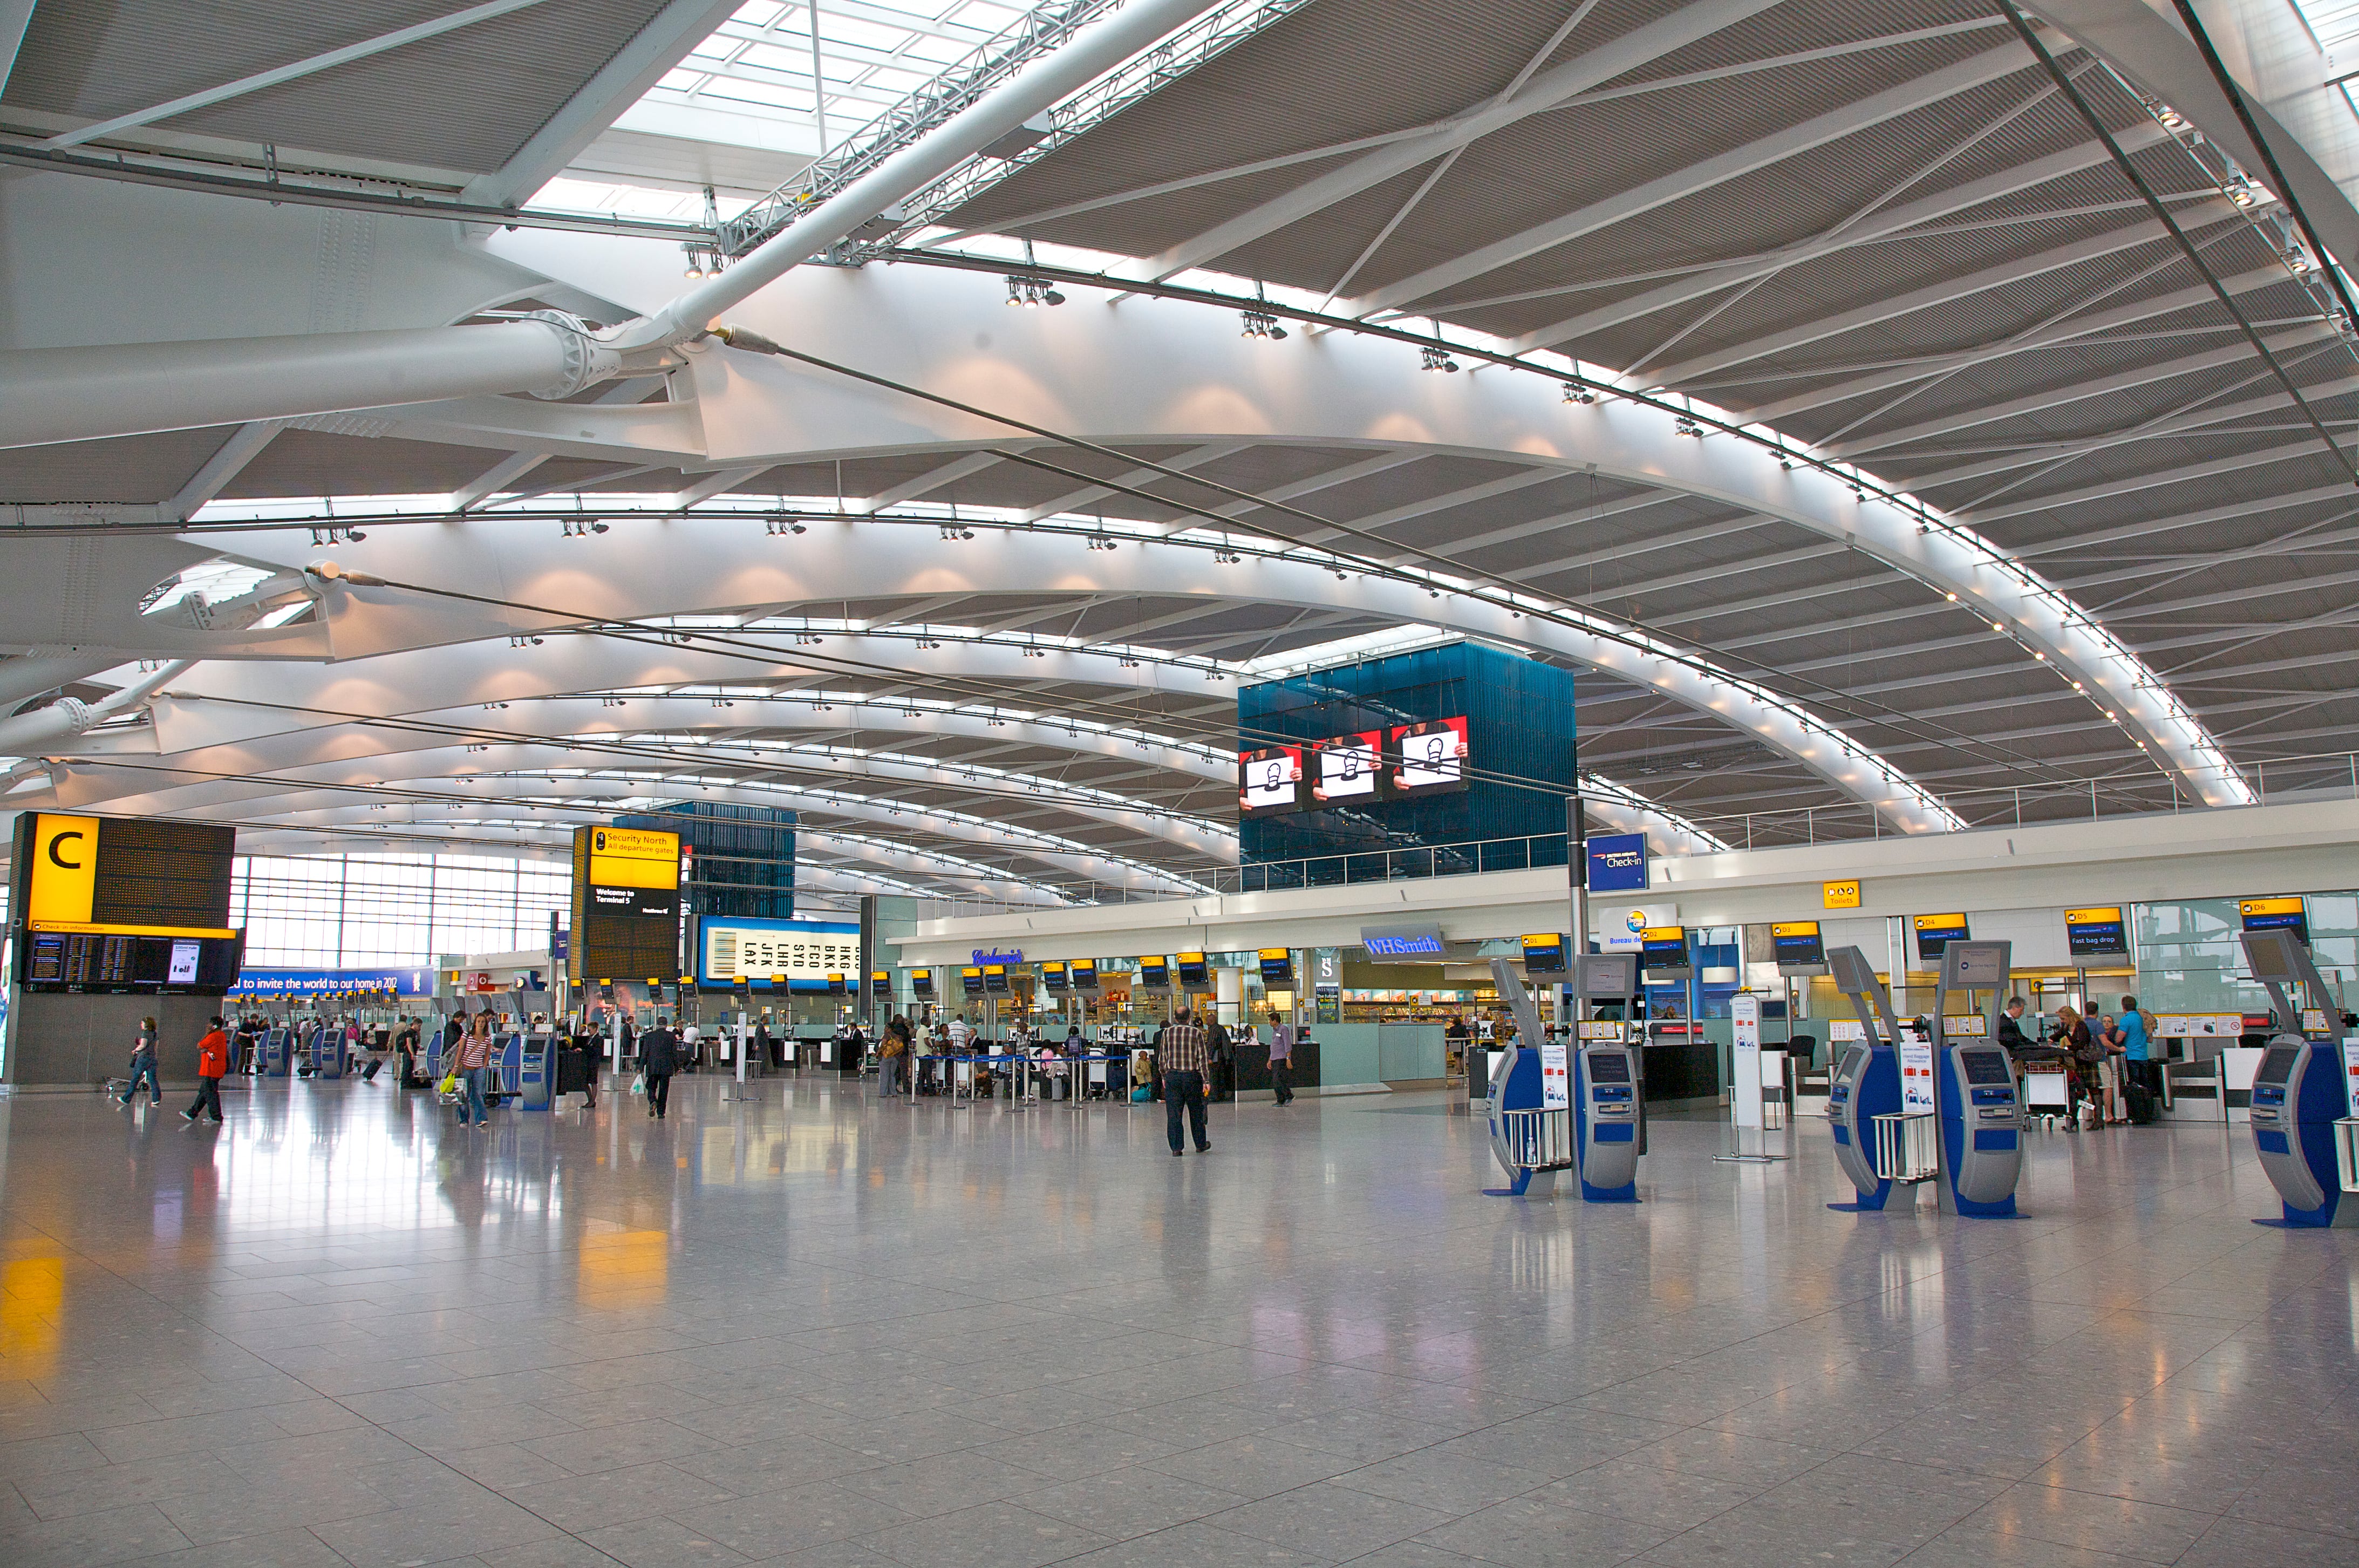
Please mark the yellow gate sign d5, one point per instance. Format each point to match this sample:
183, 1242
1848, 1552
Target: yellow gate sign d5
1841, 895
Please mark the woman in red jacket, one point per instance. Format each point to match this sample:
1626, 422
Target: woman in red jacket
212, 1065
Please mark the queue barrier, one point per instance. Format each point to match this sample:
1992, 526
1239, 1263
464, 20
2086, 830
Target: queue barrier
1906, 1148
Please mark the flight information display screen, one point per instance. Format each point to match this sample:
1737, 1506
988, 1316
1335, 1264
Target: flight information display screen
1544, 954
1084, 972
1277, 967
118, 963
970, 981
921, 984
1796, 943
1269, 778
626, 903
2275, 914
995, 979
1608, 1067
2097, 933
1053, 976
1936, 932
1154, 974
1194, 973
1347, 769
1427, 758
880, 982
1663, 950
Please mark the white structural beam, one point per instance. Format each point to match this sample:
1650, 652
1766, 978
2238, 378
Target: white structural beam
1950, 425
1548, 90
385, 757
1895, 223
1977, 70
293, 72
245, 445
13, 17
1946, 292
621, 81
2074, 328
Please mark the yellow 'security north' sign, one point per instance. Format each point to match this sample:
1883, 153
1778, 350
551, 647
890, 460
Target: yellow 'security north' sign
1839, 894
634, 857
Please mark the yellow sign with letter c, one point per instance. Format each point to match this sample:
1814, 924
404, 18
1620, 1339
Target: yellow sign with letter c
65, 869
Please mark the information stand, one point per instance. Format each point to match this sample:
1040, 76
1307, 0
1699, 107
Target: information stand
1745, 1103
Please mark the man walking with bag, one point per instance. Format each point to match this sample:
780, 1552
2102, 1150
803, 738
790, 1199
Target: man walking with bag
1281, 1060
1184, 1056
659, 1059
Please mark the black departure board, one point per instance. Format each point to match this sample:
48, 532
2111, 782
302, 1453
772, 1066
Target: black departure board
112, 962
153, 873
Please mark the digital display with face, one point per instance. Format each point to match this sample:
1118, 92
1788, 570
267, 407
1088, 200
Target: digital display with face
1430, 757
1269, 778
1349, 768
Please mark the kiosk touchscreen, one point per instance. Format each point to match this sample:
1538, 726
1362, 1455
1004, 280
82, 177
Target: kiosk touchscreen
2301, 1091
1866, 1083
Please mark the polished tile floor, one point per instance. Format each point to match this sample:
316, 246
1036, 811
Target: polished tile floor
819, 1331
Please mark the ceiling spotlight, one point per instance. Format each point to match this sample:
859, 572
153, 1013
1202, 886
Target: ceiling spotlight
1031, 291
1951, 597
1261, 324
1433, 358
1574, 392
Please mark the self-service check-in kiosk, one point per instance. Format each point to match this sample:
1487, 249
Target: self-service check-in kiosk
507, 1067
1866, 1081
273, 1052
535, 1071
2302, 1088
1608, 1084
328, 1052
1979, 1102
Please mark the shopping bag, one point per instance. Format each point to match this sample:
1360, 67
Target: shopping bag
449, 1084
639, 1085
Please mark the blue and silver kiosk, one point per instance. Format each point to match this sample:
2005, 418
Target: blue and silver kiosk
1979, 1102
1575, 1105
1866, 1081
2302, 1089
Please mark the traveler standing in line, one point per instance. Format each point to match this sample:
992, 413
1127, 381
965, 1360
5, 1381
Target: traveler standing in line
405, 1053
961, 1033
2011, 1038
659, 1059
892, 1053
1281, 1060
2137, 1048
143, 1065
212, 1065
1184, 1057
474, 1065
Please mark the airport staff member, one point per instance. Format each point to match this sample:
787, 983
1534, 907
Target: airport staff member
1281, 1060
212, 1065
1184, 1054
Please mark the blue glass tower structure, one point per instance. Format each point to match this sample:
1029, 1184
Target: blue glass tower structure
1521, 762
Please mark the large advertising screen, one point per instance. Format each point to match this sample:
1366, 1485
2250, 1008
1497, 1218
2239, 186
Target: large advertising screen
1427, 758
1269, 778
744, 947
1347, 769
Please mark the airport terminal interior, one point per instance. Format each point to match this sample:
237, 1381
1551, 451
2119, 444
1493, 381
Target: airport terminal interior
971, 784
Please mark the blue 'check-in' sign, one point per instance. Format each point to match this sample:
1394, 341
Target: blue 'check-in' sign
1617, 863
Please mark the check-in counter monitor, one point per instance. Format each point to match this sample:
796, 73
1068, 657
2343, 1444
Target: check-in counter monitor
1605, 1113
2297, 1097
1982, 1127
1865, 1085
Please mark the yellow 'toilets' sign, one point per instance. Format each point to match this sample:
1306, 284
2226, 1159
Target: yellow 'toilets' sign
1841, 895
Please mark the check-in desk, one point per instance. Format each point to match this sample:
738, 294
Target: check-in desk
1252, 1068
1681, 1066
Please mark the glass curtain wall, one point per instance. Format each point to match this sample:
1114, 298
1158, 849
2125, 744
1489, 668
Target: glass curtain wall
347, 911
